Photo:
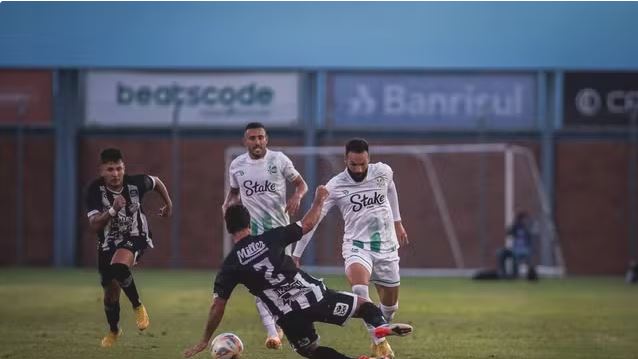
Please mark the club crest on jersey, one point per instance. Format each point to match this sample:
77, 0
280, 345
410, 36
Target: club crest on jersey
360, 201
272, 169
250, 252
256, 187
341, 309
380, 181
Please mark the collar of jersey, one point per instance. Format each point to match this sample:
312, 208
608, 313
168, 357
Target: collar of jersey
351, 180
251, 160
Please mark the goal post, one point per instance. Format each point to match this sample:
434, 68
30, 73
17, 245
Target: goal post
456, 202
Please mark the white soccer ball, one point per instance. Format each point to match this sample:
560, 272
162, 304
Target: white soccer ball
226, 346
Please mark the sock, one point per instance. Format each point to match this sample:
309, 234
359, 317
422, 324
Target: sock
112, 311
266, 318
361, 290
327, 353
371, 314
123, 275
388, 311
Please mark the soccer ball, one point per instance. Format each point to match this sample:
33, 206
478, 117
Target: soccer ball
226, 346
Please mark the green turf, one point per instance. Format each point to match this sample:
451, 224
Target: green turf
47, 314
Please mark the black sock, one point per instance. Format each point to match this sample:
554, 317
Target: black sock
371, 314
112, 311
124, 277
327, 353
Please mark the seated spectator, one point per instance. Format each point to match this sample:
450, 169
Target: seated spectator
518, 249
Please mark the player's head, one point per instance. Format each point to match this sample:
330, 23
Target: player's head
357, 158
255, 140
237, 218
112, 167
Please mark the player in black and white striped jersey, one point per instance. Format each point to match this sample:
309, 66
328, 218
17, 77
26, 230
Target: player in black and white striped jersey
295, 298
114, 205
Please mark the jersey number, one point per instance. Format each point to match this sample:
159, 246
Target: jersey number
265, 263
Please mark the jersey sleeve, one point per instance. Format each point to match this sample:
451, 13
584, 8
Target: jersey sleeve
225, 282
231, 176
145, 183
93, 200
386, 170
287, 168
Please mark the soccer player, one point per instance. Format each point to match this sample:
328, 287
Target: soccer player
258, 179
295, 298
367, 198
114, 203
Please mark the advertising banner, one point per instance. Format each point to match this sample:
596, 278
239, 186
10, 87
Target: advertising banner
434, 100
600, 98
123, 98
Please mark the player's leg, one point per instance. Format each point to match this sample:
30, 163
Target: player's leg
301, 334
121, 264
111, 300
273, 341
386, 277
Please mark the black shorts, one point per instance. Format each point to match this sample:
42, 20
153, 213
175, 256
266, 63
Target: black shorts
334, 308
136, 245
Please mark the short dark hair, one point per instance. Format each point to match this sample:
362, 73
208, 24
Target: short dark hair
237, 218
357, 145
252, 125
111, 155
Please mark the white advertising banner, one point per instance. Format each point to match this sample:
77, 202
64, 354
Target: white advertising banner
132, 98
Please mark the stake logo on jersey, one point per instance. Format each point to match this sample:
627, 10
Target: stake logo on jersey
262, 188
361, 201
251, 187
369, 222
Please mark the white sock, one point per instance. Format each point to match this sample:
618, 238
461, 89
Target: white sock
362, 291
388, 311
266, 318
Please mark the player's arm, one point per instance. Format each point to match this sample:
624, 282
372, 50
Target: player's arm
393, 199
99, 219
167, 209
312, 217
292, 205
232, 197
215, 315
310, 230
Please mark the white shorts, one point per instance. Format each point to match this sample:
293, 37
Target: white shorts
383, 267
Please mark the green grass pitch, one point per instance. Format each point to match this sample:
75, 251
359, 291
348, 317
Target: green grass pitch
51, 314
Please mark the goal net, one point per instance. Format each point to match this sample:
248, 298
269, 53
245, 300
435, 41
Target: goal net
456, 202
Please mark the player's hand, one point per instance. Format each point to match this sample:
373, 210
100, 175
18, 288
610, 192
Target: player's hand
321, 193
195, 349
297, 261
292, 206
166, 210
402, 235
119, 202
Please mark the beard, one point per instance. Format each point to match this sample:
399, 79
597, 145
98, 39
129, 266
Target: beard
358, 177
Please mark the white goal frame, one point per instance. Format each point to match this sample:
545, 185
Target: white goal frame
422, 152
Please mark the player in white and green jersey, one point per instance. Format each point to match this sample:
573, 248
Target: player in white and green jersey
367, 198
258, 179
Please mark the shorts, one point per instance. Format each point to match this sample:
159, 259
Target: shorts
136, 245
335, 308
383, 267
